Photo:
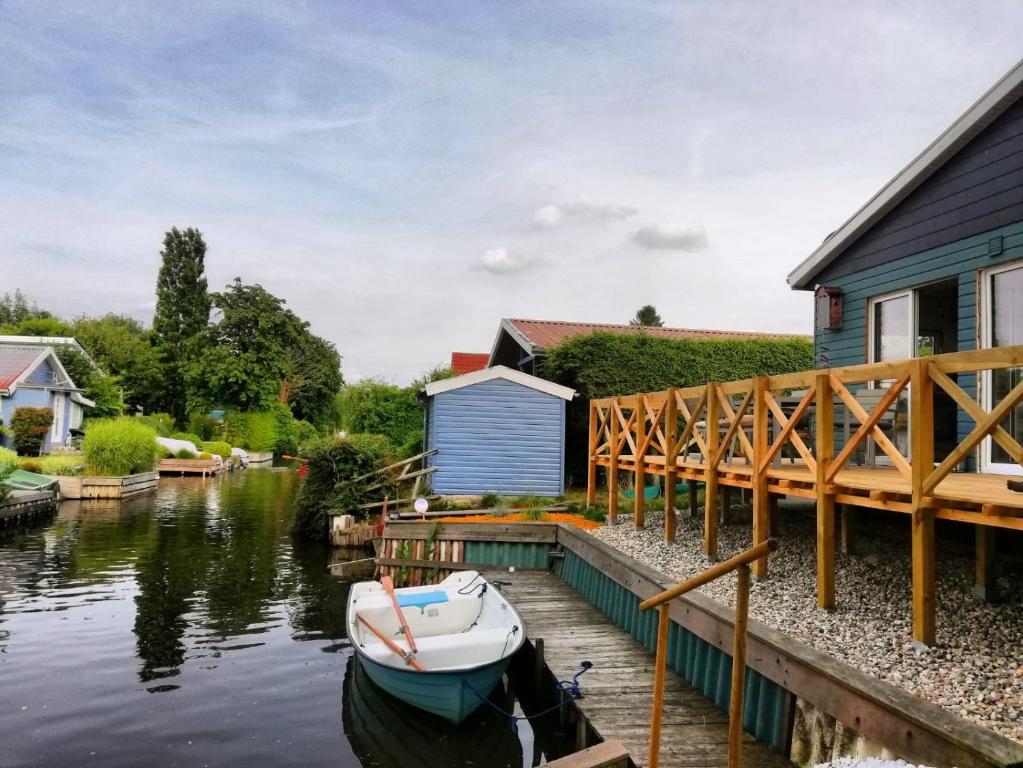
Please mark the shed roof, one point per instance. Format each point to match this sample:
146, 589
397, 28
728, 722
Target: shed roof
17, 361
499, 372
542, 335
984, 111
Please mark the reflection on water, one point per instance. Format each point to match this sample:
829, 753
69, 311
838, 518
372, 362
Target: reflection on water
181, 628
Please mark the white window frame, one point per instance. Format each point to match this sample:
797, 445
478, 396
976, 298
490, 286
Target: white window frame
985, 306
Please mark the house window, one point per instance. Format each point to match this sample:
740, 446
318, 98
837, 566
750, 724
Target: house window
1001, 326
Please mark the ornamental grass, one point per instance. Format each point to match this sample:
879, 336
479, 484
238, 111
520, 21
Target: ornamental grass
118, 447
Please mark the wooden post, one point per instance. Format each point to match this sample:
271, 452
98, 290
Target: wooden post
985, 586
639, 500
591, 465
710, 493
735, 705
670, 436
921, 441
693, 493
761, 508
847, 535
660, 664
725, 515
539, 665
825, 501
612, 470
772, 513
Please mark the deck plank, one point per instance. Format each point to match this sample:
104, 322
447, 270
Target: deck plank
617, 691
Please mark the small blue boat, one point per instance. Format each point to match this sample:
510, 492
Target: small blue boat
464, 634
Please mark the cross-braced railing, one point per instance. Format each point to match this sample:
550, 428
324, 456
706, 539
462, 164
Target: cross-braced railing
857, 436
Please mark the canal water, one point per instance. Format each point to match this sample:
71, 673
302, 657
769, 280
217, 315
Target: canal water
188, 628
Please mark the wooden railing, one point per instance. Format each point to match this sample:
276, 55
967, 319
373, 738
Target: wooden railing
741, 564
736, 434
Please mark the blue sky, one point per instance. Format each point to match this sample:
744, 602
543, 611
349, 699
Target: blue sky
406, 174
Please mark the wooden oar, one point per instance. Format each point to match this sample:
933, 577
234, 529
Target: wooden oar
405, 656
388, 585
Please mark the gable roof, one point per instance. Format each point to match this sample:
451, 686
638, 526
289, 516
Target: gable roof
541, 335
18, 361
467, 362
984, 111
499, 372
47, 341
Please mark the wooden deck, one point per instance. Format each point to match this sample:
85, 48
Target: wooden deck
617, 691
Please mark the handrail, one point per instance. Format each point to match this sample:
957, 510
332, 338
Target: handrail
714, 572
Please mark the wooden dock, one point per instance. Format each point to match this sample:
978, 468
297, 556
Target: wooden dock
24, 506
617, 691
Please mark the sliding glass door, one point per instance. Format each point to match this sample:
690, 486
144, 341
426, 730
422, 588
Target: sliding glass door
1002, 297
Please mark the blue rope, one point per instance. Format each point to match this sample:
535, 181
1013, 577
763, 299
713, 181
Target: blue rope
570, 687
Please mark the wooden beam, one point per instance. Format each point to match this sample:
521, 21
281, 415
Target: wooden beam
921, 409
670, 430
877, 433
975, 412
867, 426
735, 705
985, 581
591, 463
825, 445
789, 426
612, 470
639, 500
660, 664
847, 535
694, 489
761, 508
710, 520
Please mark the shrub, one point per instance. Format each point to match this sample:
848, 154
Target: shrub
605, 364
184, 453
121, 446
333, 464
31, 465
8, 458
305, 434
187, 437
534, 515
60, 465
489, 500
252, 430
163, 452
5, 470
206, 427
30, 426
284, 430
205, 456
376, 407
218, 448
162, 423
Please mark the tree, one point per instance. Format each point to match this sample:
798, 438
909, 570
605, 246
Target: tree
310, 378
123, 348
647, 317
103, 389
15, 309
182, 309
375, 407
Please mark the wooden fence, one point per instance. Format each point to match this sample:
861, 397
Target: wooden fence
734, 434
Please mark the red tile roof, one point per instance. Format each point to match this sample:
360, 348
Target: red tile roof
467, 362
14, 360
547, 334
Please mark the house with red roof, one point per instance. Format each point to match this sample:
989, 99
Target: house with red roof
523, 344
31, 375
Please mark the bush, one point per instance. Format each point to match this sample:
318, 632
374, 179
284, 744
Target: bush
121, 446
187, 437
30, 426
31, 465
206, 427
251, 430
376, 407
489, 500
333, 463
65, 466
218, 448
284, 430
162, 423
305, 434
184, 453
606, 364
8, 458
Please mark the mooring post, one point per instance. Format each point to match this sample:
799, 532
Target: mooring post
538, 664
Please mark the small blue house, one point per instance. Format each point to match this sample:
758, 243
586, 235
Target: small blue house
32, 376
497, 430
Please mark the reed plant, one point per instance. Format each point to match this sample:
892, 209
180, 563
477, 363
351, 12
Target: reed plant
61, 466
122, 446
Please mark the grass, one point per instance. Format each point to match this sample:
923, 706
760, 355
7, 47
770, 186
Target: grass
8, 458
61, 466
118, 447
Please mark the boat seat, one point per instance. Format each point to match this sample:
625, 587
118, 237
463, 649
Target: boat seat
421, 599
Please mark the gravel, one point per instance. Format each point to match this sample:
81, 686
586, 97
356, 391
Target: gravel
867, 762
975, 670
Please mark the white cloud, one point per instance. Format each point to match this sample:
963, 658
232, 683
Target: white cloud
553, 214
503, 261
670, 237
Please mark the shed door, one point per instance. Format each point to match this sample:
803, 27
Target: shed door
57, 433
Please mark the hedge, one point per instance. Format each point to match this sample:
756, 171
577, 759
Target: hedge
30, 426
605, 364
251, 430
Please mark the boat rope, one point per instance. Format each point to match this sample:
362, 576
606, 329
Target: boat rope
570, 691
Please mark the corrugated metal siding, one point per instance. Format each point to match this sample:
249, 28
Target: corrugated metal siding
707, 668
508, 553
979, 189
497, 436
962, 259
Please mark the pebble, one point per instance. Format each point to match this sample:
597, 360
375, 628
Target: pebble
975, 669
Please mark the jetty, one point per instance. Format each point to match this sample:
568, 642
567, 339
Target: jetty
24, 506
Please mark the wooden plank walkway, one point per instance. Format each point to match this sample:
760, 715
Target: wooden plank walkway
617, 691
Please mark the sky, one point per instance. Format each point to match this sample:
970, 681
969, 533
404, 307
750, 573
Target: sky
407, 174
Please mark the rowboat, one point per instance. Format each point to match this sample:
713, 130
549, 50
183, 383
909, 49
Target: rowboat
440, 648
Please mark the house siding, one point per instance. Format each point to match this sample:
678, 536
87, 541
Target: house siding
978, 190
30, 397
42, 375
497, 436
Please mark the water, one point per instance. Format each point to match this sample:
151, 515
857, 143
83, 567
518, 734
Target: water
187, 628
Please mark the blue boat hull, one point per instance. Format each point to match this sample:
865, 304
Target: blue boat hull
451, 695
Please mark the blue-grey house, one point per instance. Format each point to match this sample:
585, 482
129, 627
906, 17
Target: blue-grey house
934, 263
31, 375
497, 430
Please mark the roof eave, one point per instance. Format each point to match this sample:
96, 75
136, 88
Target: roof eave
975, 119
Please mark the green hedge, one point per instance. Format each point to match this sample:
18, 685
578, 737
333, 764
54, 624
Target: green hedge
218, 448
605, 364
30, 426
121, 446
251, 430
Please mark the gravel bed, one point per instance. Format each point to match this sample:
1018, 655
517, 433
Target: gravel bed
976, 670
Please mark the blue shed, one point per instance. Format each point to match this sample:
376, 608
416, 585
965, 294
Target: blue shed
497, 430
